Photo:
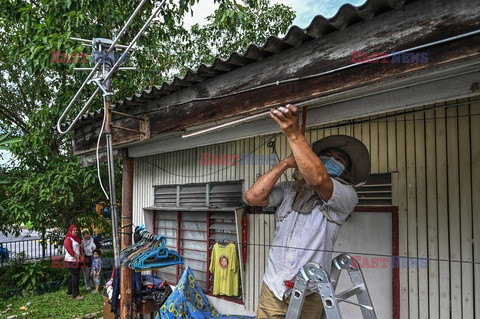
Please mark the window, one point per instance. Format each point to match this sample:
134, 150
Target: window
193, 218
192, 234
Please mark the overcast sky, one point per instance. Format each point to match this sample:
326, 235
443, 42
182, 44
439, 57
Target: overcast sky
305, 9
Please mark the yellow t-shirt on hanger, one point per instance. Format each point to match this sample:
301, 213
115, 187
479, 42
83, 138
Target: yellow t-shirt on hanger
225, 269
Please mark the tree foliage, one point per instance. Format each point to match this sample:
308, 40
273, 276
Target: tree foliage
46, 185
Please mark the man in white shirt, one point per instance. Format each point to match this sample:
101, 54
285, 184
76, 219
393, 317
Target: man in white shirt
310, 210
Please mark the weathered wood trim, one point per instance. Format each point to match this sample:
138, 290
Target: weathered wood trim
403, 97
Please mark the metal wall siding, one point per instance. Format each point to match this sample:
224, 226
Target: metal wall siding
475, 161
435, 154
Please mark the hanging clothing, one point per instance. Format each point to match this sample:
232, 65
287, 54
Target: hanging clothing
225, 269
136, 284
189, 301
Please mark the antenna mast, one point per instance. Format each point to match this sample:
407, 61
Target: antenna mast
104, 56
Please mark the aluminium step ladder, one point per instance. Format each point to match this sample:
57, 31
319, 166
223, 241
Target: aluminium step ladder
312, 278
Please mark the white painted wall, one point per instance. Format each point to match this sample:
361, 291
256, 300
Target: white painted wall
368, 234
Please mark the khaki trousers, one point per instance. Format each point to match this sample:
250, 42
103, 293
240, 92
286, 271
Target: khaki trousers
270, 307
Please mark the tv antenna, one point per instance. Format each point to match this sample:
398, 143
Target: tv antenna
104, 56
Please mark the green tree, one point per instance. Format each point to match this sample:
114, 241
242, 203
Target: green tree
46, 186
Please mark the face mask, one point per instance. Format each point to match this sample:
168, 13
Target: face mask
334, 167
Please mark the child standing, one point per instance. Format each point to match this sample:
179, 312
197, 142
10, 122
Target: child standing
96, 269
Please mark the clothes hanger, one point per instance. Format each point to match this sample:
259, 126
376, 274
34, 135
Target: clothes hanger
156, 250
148, 239
173, 258
226, 239
154, 255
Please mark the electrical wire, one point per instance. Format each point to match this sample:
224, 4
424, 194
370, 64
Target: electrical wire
352, 123
356, 253
209, 173
363, 253
381, 118
276, 83
98, 147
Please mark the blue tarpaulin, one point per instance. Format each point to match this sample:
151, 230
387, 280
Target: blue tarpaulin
189, 301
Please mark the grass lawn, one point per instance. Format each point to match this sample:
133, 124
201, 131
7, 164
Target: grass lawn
56, 305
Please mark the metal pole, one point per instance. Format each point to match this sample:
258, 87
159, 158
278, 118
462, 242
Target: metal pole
113, 197
44, 245
127, 208
111, 173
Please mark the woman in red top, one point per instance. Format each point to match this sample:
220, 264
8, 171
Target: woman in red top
73, 255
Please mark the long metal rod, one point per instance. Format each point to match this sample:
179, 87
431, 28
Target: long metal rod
129, 21
239, 121
81, 40
113, 198
122, 57
128, 115
84, 108
355, 304
221, 126
126, 129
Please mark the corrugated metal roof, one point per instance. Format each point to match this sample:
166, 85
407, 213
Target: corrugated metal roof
346, 16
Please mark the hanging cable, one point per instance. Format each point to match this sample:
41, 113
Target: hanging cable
385, 117
241, 160
366, 254
98, 157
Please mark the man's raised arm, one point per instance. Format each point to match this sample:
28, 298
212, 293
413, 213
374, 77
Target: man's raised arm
309, 165
258, 194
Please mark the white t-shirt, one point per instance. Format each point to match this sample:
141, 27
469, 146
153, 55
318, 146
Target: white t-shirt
76, 249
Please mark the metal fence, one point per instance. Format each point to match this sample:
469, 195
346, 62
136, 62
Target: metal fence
32, 249
28, 249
